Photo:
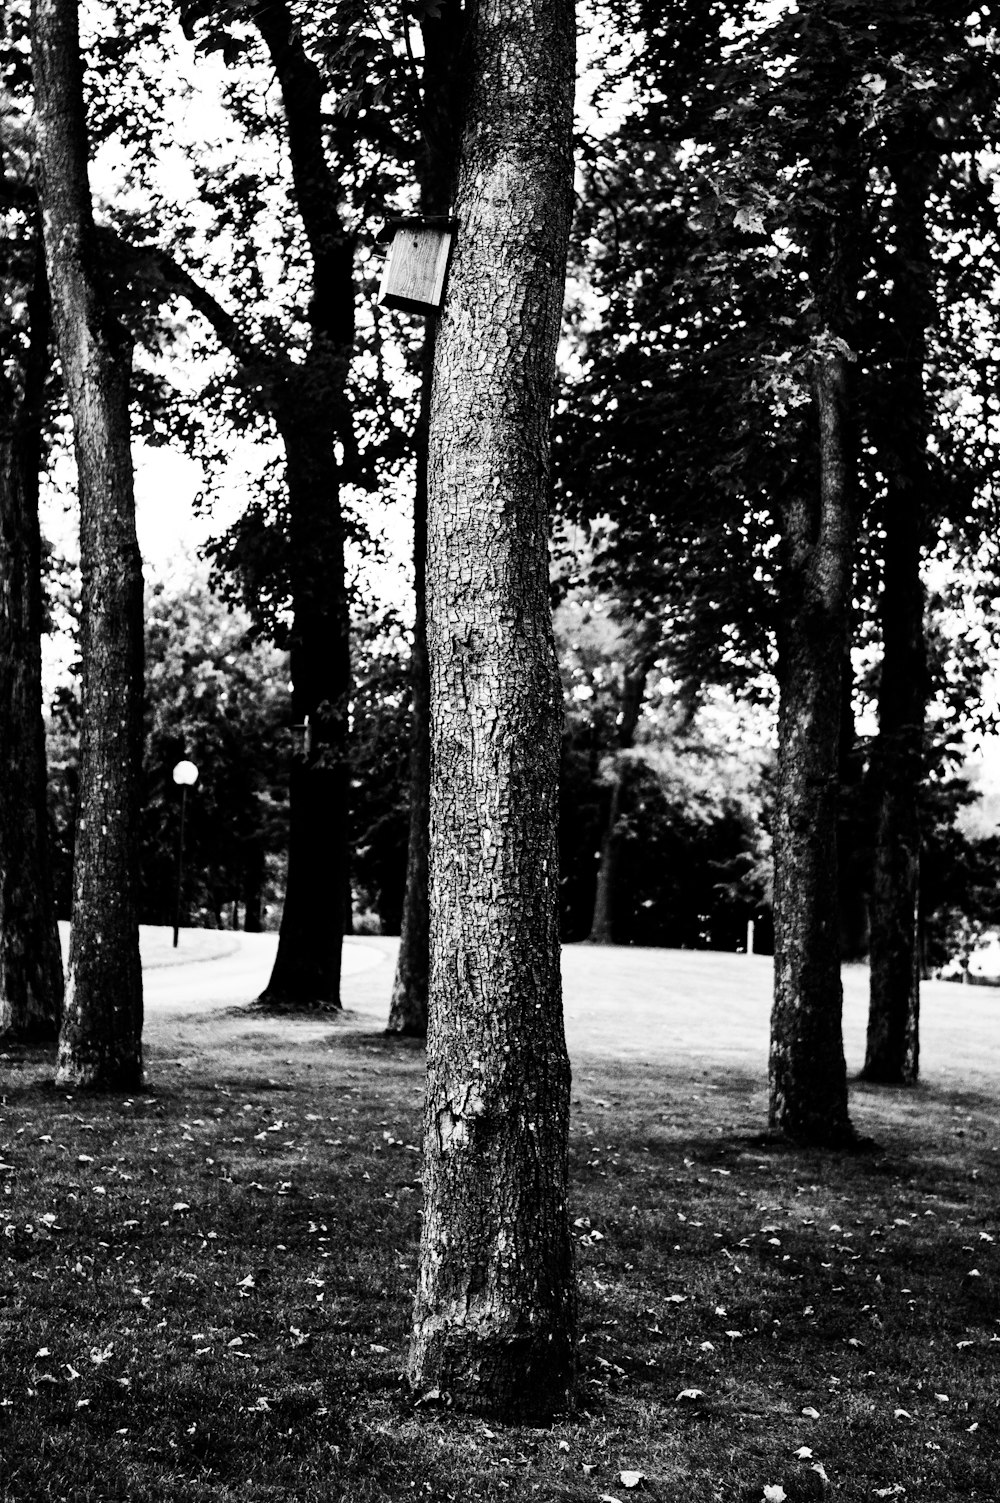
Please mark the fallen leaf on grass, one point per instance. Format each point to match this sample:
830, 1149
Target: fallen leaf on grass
630, 1479
690, 1393
901, 1414
775, 1493
810, 1412
803, 1453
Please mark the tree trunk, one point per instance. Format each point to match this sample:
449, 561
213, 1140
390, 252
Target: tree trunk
808, 1076
100, 1043
897, 761
602, 923
494, 1310
312, 413
306, 972
853, 841
408, 1007
31, 972
254, 868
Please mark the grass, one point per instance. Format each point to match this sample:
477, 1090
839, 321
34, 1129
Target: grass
205, 1289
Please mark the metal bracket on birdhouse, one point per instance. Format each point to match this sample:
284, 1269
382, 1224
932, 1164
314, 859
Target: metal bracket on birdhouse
417, 263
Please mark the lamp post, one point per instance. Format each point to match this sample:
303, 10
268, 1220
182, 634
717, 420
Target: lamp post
185, 776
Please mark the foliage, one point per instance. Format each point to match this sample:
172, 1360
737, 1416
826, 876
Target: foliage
693, 847
685, 420
220, 700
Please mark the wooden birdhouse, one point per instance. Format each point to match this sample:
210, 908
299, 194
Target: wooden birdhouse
417, 263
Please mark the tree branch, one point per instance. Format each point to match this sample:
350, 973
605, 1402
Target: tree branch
156, 269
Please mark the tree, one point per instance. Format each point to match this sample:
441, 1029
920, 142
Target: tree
31, 972
442, 28
100, 1042
494, 1313
898, 754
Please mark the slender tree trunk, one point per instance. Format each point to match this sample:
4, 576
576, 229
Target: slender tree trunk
306, 972
408, 1007
602, 923
853, 844
601, 927
253, 888
897, 761
31, 972
100, 1042
808, 1076
494, 1311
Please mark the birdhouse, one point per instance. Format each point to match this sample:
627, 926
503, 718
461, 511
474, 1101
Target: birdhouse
417, 262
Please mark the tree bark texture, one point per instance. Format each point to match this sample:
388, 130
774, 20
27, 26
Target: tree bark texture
311, 411
31, 970
808, 1076
100, 1042
602, 923
408, 1006
897, 760
494, 1310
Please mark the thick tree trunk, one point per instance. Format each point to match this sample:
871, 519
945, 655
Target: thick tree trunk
494, 1311
602, 922
897, 761
31, 972
408, 1006
306, 972
312, 413
100, 1042
808, 1077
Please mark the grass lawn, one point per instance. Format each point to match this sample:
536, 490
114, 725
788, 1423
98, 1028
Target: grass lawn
205, 1289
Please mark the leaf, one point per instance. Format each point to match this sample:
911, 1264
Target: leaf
810, 1412
630, 1479
803, 1453
690, 1393
775, 1493
749, 220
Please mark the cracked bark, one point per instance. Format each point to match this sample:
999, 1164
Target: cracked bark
494, 1309
100, 1042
